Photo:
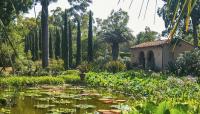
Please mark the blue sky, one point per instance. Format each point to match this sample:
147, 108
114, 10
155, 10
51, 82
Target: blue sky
102, 9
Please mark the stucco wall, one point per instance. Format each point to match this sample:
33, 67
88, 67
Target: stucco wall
162, 54
181, 47
157, 55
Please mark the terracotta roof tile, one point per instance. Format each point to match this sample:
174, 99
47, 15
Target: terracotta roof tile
150, 44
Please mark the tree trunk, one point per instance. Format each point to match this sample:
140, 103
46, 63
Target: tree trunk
45, 39
90, 38
78, 54
115, 51
195, 34
70, 46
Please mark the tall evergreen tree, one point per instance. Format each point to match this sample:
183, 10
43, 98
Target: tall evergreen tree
58, 44
51, 45
37, 57
78, 53
70, 46
33, 45
66, 42
90, 39
26, 48
40, 42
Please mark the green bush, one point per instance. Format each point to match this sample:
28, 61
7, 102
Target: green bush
115, 66
99, 64
30, 68
84, 67
187, 63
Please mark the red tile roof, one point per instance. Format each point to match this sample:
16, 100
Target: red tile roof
150, 44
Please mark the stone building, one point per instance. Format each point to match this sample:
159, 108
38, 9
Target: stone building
158, 54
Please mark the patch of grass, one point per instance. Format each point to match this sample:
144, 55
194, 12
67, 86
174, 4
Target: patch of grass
20, 81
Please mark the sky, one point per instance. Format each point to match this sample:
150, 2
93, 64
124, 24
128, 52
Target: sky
103, 8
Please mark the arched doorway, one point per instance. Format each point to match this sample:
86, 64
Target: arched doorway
142, 59
150, 60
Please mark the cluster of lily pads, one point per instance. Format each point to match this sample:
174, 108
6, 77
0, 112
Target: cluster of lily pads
69, 99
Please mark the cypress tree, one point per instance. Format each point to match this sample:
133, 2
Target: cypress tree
37, 45
50, 45
40, 42
58, 44
65, 43
26, 44
78, 54
70, 46
30, 41
33, 45
90, 39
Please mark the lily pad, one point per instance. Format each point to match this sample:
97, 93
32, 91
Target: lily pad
61, 111
43, 106
85, 106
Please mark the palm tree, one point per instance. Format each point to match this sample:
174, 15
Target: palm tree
191, 13
44, 26
114, 30
116, 37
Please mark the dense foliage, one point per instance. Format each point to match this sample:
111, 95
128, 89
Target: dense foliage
188, 63
152, 93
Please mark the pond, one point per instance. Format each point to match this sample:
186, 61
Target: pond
65, 99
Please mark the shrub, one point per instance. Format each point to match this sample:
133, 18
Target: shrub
99, 64
84, 67
187, 63
115, 66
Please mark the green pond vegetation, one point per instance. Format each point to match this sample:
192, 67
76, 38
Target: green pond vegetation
130, 92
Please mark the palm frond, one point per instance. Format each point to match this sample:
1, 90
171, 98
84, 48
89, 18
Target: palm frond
146, 9
178, 21
131, 4
141, 8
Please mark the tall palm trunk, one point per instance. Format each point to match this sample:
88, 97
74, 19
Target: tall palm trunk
45, 39
195, 34
78, 53
115, 51
90, 39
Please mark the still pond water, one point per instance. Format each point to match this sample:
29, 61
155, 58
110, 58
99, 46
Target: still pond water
61, 100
